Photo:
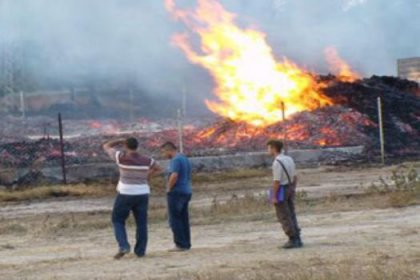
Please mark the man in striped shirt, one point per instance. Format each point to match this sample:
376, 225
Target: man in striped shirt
133, 193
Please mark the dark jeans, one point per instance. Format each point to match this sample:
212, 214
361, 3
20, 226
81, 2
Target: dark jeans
122, 207
179, 218
286, 214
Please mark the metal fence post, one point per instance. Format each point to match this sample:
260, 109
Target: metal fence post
180, 131
381, 130
63, 159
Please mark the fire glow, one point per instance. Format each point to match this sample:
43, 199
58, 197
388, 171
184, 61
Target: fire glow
250, 83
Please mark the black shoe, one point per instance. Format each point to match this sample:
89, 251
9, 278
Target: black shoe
293, 243
299, 242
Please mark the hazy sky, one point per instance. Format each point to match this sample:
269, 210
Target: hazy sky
71, 38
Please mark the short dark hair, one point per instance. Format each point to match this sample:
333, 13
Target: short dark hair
132, 143
276, 144
169, 145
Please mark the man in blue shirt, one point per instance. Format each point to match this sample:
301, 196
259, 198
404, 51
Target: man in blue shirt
179, 195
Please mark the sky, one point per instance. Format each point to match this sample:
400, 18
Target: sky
66, 39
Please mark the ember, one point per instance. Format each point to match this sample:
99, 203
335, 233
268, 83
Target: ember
329, 126
352, 122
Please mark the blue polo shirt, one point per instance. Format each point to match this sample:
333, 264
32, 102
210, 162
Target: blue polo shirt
180, 164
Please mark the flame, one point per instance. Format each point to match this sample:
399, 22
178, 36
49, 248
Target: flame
250, 83
95, 125
339, 67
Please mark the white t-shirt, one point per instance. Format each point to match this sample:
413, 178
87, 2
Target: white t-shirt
278, 172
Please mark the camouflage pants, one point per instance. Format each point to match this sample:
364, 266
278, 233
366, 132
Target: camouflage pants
286, 214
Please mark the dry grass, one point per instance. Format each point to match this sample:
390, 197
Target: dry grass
250, 208
234, 209
257, 207
240, 174
287, 271
38, 193
98, 189
402, 186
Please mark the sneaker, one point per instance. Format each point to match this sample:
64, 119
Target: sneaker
121, 253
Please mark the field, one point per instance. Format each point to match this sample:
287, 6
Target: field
358, 223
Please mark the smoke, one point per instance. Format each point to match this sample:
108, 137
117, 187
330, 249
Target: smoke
70, 41
369, 34
352, 3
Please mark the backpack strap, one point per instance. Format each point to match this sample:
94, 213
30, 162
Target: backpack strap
285, 170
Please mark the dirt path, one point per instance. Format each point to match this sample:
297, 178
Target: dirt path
332, 237
243, 245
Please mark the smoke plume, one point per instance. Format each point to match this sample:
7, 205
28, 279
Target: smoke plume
64, 41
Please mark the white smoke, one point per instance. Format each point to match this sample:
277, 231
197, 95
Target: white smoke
65, 40
348, 4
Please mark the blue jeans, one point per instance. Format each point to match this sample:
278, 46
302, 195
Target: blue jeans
179, 218
122, 207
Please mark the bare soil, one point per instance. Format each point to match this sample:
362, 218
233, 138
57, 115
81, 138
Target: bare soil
72, 239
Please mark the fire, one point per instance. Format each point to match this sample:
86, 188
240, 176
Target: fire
250, 83
339, 67
95, 125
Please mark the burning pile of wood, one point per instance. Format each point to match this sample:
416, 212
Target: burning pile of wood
400, 106
352, 121
329, 126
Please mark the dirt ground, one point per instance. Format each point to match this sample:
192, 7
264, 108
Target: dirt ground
72, 239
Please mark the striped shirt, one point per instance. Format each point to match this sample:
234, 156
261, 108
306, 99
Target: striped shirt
133, 169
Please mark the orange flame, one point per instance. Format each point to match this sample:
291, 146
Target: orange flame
339, 67
250, 83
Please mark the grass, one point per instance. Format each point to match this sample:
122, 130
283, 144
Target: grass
278, 271
98, 189
44, 192
323, 265
258, 208
402, 186
235, 209
405, 193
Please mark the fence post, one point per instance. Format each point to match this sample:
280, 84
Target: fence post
180, 131
381, 130
63, 159
22, 105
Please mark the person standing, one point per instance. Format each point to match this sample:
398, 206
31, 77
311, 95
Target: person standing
179, 194
133, 193
283, 191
